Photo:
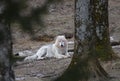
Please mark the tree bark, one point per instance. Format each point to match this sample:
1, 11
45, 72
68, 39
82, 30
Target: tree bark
6, 70
100, 18
85, 65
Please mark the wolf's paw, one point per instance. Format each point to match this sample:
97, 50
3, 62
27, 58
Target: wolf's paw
60, 56
38, 58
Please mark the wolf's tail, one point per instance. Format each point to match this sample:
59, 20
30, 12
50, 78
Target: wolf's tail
41, 53
31, 58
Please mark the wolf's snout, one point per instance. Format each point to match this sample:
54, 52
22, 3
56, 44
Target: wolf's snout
62, 44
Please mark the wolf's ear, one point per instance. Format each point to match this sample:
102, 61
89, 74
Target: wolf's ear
59, 36
63, 35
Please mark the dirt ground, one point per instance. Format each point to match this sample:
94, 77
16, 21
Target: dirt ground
48, 69
59, 21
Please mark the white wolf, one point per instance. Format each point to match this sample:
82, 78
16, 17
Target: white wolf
57, 50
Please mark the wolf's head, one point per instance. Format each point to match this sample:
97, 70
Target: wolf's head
61, 41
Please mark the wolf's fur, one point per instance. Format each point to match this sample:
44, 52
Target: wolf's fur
58, 50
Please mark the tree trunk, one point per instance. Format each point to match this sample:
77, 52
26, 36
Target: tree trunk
85, 65
6, 72
100, 18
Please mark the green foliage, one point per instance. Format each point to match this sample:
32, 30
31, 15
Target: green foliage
13, 9
104, 52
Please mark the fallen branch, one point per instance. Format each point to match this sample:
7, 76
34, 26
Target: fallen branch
115, 43
23, 54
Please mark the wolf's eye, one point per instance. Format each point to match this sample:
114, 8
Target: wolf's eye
59, 41
63, 40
